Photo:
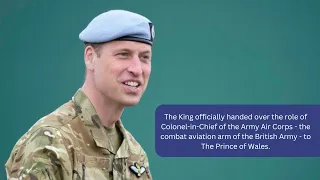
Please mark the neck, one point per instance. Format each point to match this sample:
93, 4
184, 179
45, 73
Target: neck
108, 111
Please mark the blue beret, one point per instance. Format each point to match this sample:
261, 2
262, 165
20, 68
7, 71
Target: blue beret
118, 25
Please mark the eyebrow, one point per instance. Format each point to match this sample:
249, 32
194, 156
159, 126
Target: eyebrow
126, 49
147, 51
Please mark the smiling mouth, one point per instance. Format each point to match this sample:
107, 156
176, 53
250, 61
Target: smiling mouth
132, 84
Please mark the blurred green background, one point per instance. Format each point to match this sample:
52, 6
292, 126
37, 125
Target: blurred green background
205, 52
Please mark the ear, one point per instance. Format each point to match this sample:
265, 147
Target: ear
89, 57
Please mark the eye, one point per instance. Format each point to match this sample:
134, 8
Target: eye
145, 58
123, 54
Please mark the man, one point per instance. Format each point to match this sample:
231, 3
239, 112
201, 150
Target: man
85, 138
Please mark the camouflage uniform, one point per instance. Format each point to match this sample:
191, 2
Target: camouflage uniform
71, 144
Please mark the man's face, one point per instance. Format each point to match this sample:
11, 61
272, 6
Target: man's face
121, 72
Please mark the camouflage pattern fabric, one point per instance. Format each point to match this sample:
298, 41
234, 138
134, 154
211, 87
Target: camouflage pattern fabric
71, 144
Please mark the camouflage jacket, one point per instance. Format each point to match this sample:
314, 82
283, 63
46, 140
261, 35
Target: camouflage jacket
71, 144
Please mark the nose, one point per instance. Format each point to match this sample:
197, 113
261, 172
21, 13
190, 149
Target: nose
135, 67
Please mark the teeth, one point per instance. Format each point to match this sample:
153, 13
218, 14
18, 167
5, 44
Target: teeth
131, 83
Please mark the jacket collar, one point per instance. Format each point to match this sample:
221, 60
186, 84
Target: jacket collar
89, 116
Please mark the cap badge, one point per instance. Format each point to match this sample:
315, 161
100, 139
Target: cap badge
152, 32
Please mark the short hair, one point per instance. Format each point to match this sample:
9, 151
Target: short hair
95, 46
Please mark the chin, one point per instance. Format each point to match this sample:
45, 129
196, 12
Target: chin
131, 101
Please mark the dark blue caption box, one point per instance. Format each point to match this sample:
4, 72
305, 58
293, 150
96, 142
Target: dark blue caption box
238, 130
